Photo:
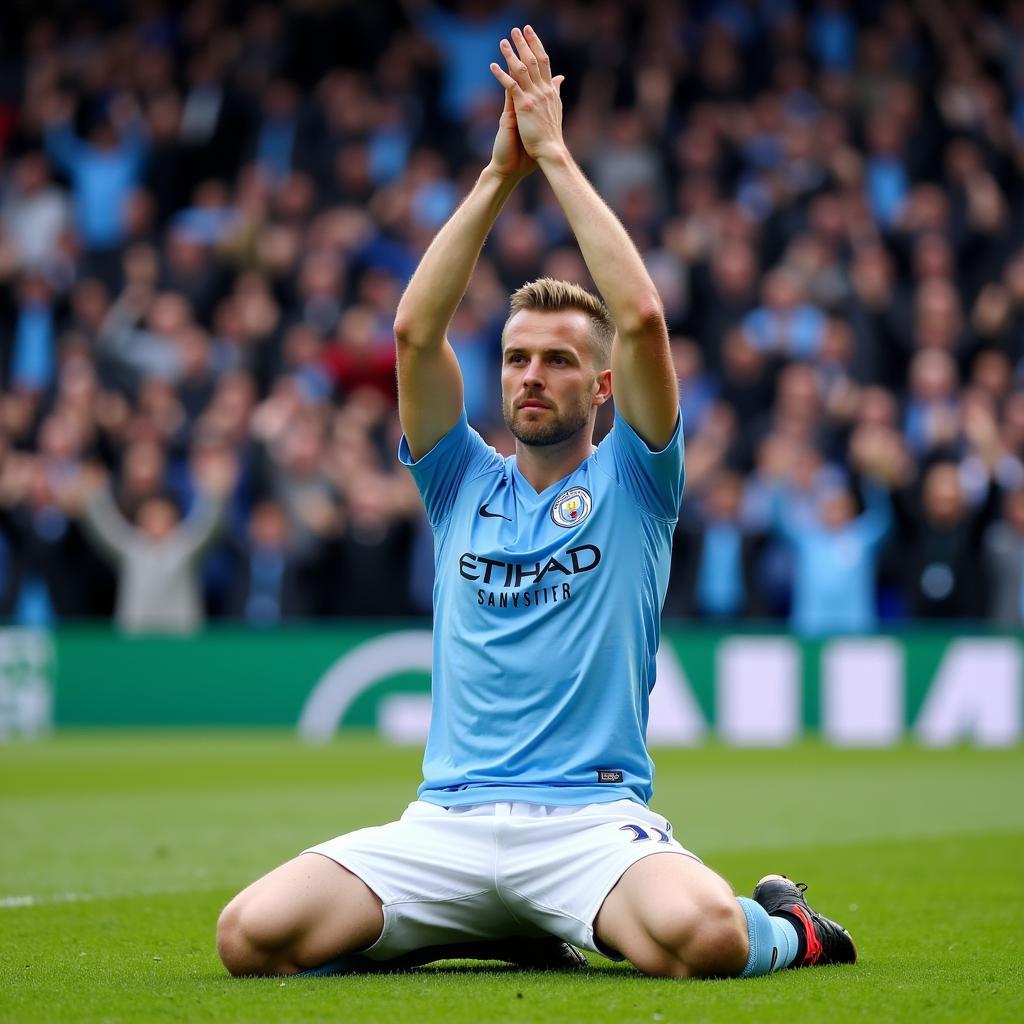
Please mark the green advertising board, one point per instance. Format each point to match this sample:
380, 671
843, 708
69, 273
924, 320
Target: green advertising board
760, 689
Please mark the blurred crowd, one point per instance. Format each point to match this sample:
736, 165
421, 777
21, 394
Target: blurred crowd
208, 211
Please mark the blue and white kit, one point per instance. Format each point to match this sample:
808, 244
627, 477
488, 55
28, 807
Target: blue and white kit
546, 626
546, 619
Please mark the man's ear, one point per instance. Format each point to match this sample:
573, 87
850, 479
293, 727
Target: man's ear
604, 387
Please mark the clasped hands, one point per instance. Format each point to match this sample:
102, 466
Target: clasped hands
531, 122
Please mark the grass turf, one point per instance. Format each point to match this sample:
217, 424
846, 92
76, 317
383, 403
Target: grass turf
119, 849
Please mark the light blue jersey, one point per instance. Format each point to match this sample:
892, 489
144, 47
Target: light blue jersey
547, 615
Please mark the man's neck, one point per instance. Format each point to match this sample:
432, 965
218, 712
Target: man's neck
542, 465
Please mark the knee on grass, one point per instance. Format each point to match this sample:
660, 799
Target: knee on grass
706, 940
248, 943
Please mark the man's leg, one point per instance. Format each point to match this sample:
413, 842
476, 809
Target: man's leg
671, 916
674, 917
312, 916
303, 914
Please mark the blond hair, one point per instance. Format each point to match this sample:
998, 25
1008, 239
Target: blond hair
549, 295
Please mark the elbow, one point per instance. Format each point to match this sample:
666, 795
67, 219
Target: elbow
412, 336
401, 328
646, 318
405, 331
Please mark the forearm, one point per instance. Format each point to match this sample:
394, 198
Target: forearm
105, 526
61, 144
876, 519
205, 521
443, 274
613, 260
121, 318
784, 520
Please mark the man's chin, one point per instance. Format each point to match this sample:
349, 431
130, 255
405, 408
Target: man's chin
536, 440
540, 435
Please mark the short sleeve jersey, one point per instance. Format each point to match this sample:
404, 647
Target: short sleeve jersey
547, 613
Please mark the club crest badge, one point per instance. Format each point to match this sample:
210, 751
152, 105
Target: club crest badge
571, 507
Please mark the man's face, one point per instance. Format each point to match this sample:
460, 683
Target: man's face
157, 518
943, 497
837, 509
548, 377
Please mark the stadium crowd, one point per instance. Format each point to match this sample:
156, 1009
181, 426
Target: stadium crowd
209, 211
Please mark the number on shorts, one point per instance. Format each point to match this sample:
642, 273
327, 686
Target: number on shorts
640, 834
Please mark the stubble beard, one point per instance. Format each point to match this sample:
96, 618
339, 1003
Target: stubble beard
548, 431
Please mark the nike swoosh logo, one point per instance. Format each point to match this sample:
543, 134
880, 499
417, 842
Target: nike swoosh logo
493, 515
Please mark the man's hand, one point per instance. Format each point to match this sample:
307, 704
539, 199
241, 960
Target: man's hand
537, 105
880, 454
646, 390
510, 158
75, 493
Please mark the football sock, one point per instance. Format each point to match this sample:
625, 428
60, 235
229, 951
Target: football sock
773, 940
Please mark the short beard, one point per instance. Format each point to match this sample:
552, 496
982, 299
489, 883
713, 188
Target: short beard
540, 435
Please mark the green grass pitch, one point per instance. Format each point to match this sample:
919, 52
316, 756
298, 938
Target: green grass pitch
117, 851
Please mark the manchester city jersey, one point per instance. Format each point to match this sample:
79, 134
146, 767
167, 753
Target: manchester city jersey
546, 619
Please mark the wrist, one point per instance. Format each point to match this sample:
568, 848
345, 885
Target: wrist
500, 183
554, 155
500, 178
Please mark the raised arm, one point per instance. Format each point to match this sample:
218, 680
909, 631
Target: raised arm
876, 519
216, 474
429, 379
104, 525
644, 382
63, 146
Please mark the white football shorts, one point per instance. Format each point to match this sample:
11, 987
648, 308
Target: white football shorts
495, 870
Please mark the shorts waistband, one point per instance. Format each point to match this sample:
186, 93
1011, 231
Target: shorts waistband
522, 809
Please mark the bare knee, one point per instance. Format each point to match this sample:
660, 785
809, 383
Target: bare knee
232, 947
720, 944
304, 913
673, 917
706, 938
245, 942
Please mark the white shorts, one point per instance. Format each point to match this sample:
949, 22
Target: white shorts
494, 870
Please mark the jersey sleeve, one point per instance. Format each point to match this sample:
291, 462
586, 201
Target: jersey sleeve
462, 453
653, 479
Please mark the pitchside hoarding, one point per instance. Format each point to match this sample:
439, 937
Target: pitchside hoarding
755, 689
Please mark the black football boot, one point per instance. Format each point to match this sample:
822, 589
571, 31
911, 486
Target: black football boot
821, 940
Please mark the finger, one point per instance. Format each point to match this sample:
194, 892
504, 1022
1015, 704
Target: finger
527, 56
508, 83
516, 68
543, 60
509, 110
557, 82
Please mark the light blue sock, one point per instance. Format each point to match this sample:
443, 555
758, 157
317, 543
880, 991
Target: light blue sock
773, 941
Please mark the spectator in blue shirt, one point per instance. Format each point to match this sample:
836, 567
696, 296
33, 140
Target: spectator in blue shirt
886, 178
835, 560
104, 171
832, 36
932, 418
785, 323
276, 136
715, 558
34, 357
465, 40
